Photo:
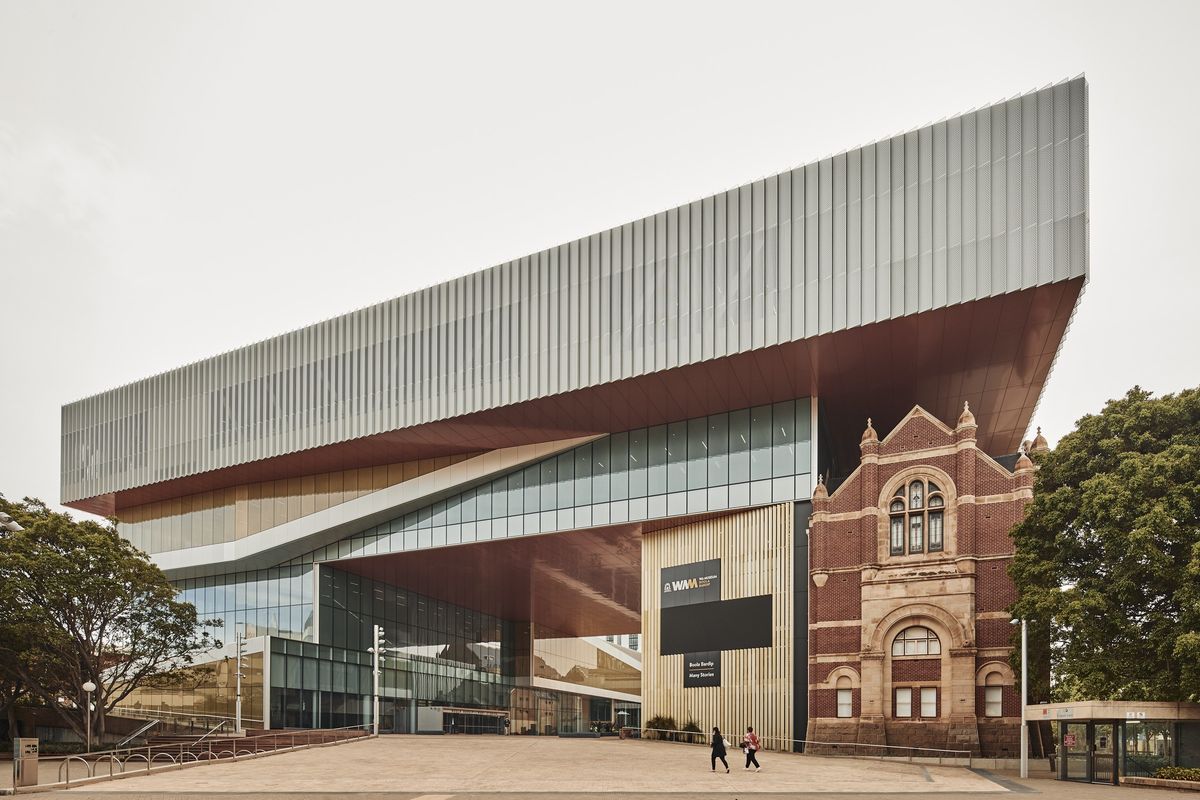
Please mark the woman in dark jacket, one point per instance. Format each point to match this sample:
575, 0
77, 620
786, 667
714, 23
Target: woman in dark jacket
718, 749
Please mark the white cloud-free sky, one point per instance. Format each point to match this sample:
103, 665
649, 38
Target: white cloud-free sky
178, 179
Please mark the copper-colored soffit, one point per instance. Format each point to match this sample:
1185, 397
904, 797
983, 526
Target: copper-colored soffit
576, 583
995, 353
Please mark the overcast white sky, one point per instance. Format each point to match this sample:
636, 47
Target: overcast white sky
178, 179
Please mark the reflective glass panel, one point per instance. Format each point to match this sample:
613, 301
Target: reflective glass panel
760, 442
619, 475
677, 457
739, 446
718, 450
656, 471
697, 453
783, 433
637, 463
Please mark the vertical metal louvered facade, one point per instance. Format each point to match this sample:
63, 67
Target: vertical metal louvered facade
993, 201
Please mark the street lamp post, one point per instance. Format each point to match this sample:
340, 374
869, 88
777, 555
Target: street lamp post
1024, 697
241, 647
89, 687
376, 652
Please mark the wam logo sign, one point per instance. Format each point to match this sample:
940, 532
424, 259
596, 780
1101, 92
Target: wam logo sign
691, 583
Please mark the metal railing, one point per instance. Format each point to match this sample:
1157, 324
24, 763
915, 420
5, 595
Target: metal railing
881, 752
181, 717
68, 770
213, 730
137, 733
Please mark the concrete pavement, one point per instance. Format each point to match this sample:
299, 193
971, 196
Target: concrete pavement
461, 767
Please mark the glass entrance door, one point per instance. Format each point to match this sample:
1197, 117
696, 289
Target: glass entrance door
1075, 751
1102, 752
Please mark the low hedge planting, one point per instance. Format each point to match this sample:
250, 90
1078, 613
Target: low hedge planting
1178, 773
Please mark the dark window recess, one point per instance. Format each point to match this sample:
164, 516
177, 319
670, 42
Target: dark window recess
722, 625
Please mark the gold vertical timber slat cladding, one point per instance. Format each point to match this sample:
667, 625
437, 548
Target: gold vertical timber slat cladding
755, 549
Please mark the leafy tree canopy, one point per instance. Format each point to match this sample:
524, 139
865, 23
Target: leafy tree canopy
1108, 555
78, 603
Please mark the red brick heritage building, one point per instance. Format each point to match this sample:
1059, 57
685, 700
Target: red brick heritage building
909, 639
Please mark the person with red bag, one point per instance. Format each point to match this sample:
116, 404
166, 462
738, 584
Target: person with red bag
750, 746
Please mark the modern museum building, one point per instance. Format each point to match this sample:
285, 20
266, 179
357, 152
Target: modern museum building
654, 435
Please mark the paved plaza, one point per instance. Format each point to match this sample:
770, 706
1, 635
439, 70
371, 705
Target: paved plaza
440, 768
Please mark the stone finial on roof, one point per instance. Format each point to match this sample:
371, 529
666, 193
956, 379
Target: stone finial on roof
966, 417
820, 491
1023, 461
869, 435
1040, 445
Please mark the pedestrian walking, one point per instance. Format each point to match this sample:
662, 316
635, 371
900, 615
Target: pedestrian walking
718, 749
750, 747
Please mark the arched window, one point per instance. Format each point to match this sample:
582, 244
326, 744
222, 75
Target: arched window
916, 641
917, 518
993, 695
845, 697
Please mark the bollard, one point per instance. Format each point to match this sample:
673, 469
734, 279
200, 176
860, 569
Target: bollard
25, 762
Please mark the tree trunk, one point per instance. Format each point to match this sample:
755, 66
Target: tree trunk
14, 727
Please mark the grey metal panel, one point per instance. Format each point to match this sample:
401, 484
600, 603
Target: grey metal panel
988, 202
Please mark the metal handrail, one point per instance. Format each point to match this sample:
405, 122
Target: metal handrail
216, 728
176, 754
129, 711
700, 737
137, 733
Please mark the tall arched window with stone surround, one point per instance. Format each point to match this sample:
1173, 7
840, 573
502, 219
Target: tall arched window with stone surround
916, 641
915, 692
917, 518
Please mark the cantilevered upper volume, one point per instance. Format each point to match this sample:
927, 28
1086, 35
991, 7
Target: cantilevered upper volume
937, 266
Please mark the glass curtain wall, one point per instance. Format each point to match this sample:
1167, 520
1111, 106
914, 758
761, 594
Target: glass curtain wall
454, 642
318, 686
746, 457
206, 690
225, 515
753, 456
265, 602
579, 661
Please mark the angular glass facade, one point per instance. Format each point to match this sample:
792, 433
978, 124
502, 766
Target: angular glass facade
226, 515
320, 618
752, 456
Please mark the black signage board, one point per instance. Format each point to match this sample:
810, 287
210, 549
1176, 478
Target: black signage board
688, 584
702, 669
724, 625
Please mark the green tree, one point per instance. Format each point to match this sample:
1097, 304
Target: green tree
86, 605
1107, 561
